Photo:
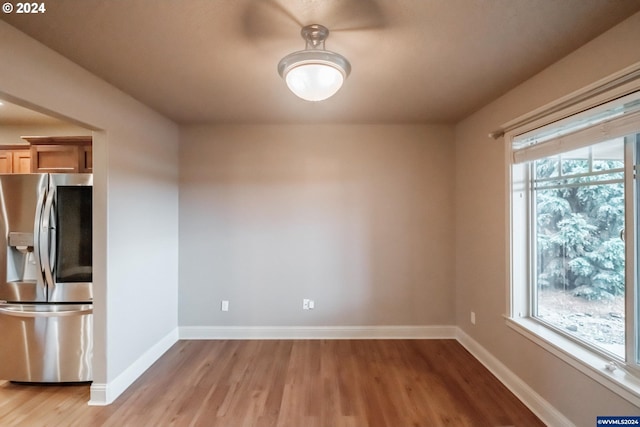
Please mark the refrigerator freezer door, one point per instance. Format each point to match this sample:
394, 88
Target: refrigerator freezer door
46, 342
21, 204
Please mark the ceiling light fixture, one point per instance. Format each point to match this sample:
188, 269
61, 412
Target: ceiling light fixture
314, 74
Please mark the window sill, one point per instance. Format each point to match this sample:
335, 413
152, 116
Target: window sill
588, 362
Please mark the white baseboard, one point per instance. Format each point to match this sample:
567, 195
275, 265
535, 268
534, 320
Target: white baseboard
543, 409
316, 332
105, 394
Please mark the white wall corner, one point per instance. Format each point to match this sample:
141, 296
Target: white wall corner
105, 394
539, 406
316, 332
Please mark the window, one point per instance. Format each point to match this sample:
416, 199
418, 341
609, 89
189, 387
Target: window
574, 215
577, 245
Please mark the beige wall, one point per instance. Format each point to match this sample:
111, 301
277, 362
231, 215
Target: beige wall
135, 198
481, 227
357, 218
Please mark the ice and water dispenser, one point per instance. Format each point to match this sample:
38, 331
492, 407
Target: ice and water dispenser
21, 260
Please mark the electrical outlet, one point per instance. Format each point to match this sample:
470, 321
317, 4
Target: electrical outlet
305, 304
473, 318
225, 305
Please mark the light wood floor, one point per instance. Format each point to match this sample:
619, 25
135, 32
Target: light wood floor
321, 383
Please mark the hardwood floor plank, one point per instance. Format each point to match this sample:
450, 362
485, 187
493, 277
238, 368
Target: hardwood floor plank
288, 383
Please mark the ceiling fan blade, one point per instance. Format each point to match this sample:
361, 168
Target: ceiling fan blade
273, 4
355, 29
266, 19
352, 15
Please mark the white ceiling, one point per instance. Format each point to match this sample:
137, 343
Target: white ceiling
213, 61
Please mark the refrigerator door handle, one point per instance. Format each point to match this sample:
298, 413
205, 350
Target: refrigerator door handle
37, 227
19, 312
45, 241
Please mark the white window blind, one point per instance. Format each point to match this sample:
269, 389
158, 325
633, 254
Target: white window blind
611, 120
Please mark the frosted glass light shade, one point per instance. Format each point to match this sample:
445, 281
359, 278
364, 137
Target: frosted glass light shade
314, 74
314, 82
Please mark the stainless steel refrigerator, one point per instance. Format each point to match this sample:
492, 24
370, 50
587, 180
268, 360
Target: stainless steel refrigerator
46, 289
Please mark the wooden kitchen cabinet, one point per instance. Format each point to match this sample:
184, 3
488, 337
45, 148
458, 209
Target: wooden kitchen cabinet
15, 159
22, 161
6, 161
61, 154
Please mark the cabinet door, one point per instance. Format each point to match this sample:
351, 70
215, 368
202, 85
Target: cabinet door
21, 161
60, 154
56, 158
6, 161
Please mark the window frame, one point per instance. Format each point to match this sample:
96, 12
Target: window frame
619, 376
